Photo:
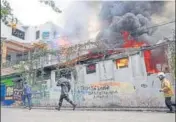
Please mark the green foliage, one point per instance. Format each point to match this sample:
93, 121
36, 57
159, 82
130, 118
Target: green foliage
30, 66
52, 4
6, 13
5, 9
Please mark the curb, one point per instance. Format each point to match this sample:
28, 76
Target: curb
99, 109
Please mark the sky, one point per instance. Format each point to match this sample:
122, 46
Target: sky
32, 12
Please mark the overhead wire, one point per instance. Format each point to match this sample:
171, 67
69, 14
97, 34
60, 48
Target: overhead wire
154, 26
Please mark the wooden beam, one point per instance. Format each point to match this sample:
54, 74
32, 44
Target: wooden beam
15, 50
19, 45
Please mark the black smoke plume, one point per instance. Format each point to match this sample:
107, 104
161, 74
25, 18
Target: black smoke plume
132, 16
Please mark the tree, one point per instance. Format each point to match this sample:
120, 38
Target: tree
35, 62
171, 56
6, 14
52, 4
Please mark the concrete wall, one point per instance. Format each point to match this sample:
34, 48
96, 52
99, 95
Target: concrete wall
30, 34
127, 87
119, 87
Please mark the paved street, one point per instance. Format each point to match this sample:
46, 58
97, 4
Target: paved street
36, 115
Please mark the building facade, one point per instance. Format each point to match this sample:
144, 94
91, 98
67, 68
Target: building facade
17, 41
45, 32
119, 81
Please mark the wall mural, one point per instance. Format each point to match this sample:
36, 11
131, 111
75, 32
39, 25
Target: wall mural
9, 88
9, 93
17, 94
97, 94
115, 94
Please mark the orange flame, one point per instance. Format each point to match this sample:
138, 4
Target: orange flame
131, 43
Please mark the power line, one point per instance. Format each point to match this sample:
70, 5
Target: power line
131, 32
134, 31
149, 27
154, 26
164, 23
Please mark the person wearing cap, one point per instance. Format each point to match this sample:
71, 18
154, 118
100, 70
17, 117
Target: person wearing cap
65, 88
166, 88
27, 94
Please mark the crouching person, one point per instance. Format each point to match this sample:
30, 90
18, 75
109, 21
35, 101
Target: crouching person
166, 88
65, 88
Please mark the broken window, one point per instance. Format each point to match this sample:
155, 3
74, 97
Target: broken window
122, 63
91, 68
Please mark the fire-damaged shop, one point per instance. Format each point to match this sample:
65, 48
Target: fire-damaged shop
122, 77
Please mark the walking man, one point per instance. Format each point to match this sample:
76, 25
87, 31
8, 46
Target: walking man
166, 88
27, 95
65, 88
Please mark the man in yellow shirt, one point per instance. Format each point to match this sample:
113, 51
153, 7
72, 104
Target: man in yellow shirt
166, 88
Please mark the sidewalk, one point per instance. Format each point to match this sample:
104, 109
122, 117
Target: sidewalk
100, 109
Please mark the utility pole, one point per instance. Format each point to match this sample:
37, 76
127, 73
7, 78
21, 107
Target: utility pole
170, 52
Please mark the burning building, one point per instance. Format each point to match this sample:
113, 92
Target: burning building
131, 43
121, 77
136, 20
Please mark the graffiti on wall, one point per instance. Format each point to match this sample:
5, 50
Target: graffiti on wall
102, 94
117, 94
9, 93
40, 94
17, 94
104, 89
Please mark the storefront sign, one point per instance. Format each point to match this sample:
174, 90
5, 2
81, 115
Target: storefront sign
18, 33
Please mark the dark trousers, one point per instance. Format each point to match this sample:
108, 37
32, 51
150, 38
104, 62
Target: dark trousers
66, 97
169, 103
28, 97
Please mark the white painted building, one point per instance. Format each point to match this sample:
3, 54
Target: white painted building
6, 32
45, 32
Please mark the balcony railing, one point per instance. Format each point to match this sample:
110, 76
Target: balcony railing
37, 63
